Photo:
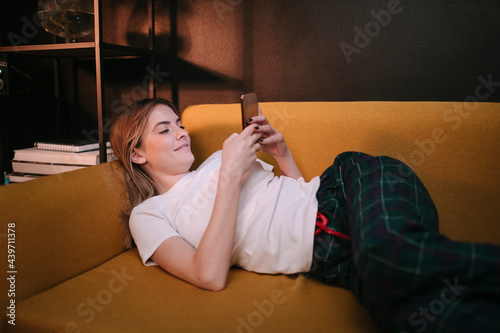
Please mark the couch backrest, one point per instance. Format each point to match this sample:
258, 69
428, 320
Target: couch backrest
64, 225
454, 147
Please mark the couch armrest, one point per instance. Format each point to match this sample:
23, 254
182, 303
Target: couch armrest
64, 225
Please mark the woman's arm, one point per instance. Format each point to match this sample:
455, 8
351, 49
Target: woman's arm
288, 166
208, 266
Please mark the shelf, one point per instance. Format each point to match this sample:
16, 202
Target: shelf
97, 50
71, 50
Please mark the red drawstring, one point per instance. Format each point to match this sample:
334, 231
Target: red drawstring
322, 227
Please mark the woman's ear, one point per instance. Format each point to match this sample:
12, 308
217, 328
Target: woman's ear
137, 156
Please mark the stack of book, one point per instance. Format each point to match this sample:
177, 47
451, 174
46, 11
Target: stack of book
48, 158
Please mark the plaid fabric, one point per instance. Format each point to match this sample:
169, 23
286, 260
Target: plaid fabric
385, 246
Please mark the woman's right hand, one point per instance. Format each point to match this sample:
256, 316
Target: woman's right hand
239, 152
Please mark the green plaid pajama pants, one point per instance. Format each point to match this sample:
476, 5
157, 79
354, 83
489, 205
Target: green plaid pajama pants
377, 235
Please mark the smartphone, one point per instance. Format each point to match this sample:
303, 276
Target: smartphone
249, 108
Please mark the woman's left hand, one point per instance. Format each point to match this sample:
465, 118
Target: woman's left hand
272, 141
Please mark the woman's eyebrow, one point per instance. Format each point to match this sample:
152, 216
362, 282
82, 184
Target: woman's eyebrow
165, 122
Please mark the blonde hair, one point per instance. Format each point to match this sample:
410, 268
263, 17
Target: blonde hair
127, 127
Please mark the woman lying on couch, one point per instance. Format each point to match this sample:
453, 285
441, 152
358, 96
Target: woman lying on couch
355, 226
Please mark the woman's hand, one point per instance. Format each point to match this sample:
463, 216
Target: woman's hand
273, 142
239, 152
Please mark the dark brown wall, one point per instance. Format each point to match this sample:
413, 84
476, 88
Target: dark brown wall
289, 50
285, 50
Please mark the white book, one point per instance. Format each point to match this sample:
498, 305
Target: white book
44, 168
90, 157
21, 177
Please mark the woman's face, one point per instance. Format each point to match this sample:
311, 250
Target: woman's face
166, 147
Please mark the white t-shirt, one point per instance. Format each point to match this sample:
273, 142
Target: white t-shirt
275, 225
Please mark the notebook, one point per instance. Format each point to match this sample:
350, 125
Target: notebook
69, 145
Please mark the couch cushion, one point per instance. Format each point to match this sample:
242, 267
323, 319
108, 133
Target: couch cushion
124, 296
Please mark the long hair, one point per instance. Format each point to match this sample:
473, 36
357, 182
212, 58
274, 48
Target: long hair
127, 127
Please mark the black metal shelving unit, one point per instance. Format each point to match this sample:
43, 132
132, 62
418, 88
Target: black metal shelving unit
98, 50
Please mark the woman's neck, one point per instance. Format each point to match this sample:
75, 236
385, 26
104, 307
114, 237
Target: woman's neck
166, 183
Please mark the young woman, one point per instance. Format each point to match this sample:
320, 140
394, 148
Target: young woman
354, 226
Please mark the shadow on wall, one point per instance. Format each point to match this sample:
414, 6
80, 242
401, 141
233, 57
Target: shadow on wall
338, 51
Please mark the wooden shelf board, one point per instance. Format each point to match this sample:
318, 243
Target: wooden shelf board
72, 50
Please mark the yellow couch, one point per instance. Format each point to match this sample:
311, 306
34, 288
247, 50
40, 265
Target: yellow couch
71, 272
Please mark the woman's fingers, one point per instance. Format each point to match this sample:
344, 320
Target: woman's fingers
277, 138
266, 129
251, 134
260, 120
241, 149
